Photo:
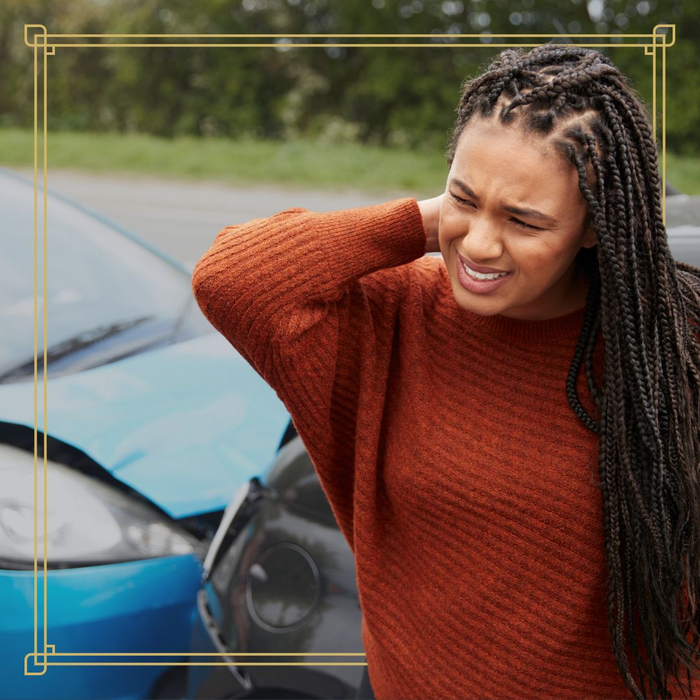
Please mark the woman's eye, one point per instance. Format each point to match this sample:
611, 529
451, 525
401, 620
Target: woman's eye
517, 222
462, 201
522, 224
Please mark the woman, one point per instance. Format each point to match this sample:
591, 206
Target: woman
508, 436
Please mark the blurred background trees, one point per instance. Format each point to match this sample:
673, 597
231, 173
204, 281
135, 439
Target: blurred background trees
403, 97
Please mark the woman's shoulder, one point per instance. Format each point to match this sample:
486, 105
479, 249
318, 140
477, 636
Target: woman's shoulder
429, 266
429, 276
424, 275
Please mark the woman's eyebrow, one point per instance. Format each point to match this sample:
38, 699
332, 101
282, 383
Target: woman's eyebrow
521, 211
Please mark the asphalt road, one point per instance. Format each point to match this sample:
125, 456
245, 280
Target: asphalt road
182, 218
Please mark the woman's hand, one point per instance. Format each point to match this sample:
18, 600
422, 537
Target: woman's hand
430, 210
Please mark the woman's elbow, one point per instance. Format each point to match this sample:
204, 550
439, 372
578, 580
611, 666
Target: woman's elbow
209, 274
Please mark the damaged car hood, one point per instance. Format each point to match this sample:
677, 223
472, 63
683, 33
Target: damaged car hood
184, 425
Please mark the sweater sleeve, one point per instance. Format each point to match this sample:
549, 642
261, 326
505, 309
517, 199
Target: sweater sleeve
310, 300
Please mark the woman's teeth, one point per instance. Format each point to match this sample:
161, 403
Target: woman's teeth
481, 276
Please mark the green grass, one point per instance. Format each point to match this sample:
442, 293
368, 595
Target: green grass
683, 172
305, 164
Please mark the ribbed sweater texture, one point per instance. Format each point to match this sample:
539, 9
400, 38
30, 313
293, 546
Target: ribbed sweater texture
444, 440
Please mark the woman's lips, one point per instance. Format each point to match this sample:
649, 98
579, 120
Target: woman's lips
478, 268
478, 286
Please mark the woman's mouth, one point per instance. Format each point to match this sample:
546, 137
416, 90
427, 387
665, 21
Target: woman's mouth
478, 282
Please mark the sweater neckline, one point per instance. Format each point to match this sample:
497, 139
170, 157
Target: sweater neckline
523, 331
515, 330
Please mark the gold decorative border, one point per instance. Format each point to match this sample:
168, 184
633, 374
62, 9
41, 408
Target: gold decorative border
36, 37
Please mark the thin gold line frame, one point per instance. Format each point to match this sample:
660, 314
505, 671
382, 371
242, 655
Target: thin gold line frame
36, 37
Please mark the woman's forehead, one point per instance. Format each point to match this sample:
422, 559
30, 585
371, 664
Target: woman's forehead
516, 140
509, 149
515, 164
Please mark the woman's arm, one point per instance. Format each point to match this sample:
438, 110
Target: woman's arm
272, 279
311, 302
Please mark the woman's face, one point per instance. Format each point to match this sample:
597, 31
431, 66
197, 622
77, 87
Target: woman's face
512, 203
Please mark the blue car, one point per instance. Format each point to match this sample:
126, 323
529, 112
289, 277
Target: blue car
153, 422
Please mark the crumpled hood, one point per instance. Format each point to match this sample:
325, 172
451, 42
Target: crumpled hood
184, 425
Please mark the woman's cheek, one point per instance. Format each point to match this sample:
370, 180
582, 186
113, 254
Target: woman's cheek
449, 224
539, 264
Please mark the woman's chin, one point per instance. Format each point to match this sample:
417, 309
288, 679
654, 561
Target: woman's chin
475, 304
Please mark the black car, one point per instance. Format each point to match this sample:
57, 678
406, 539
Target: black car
280, 577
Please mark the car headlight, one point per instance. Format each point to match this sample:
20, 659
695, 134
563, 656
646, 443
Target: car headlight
88, 522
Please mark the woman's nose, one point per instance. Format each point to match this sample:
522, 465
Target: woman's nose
482, 241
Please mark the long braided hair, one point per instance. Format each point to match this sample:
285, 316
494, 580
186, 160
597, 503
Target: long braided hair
647, 306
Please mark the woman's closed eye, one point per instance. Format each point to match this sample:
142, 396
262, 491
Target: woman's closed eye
517, 222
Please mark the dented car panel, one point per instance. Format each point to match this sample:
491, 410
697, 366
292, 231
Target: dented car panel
195, 413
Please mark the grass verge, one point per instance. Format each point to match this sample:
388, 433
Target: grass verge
304, 164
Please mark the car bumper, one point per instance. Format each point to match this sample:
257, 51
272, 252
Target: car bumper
128, 608
212, 681
224, 671
223, 680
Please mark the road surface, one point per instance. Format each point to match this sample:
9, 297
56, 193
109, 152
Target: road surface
182, 218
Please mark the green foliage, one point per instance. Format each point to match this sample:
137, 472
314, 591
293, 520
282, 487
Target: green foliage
403, 97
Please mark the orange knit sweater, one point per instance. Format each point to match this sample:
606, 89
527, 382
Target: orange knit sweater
457, 471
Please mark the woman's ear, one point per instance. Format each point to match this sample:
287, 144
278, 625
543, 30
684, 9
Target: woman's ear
589, 237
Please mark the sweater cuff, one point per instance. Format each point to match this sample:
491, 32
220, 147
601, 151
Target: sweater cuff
375, 236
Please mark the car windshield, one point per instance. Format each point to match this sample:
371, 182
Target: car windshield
99, 282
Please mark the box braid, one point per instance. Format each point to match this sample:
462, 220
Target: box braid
647, 307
